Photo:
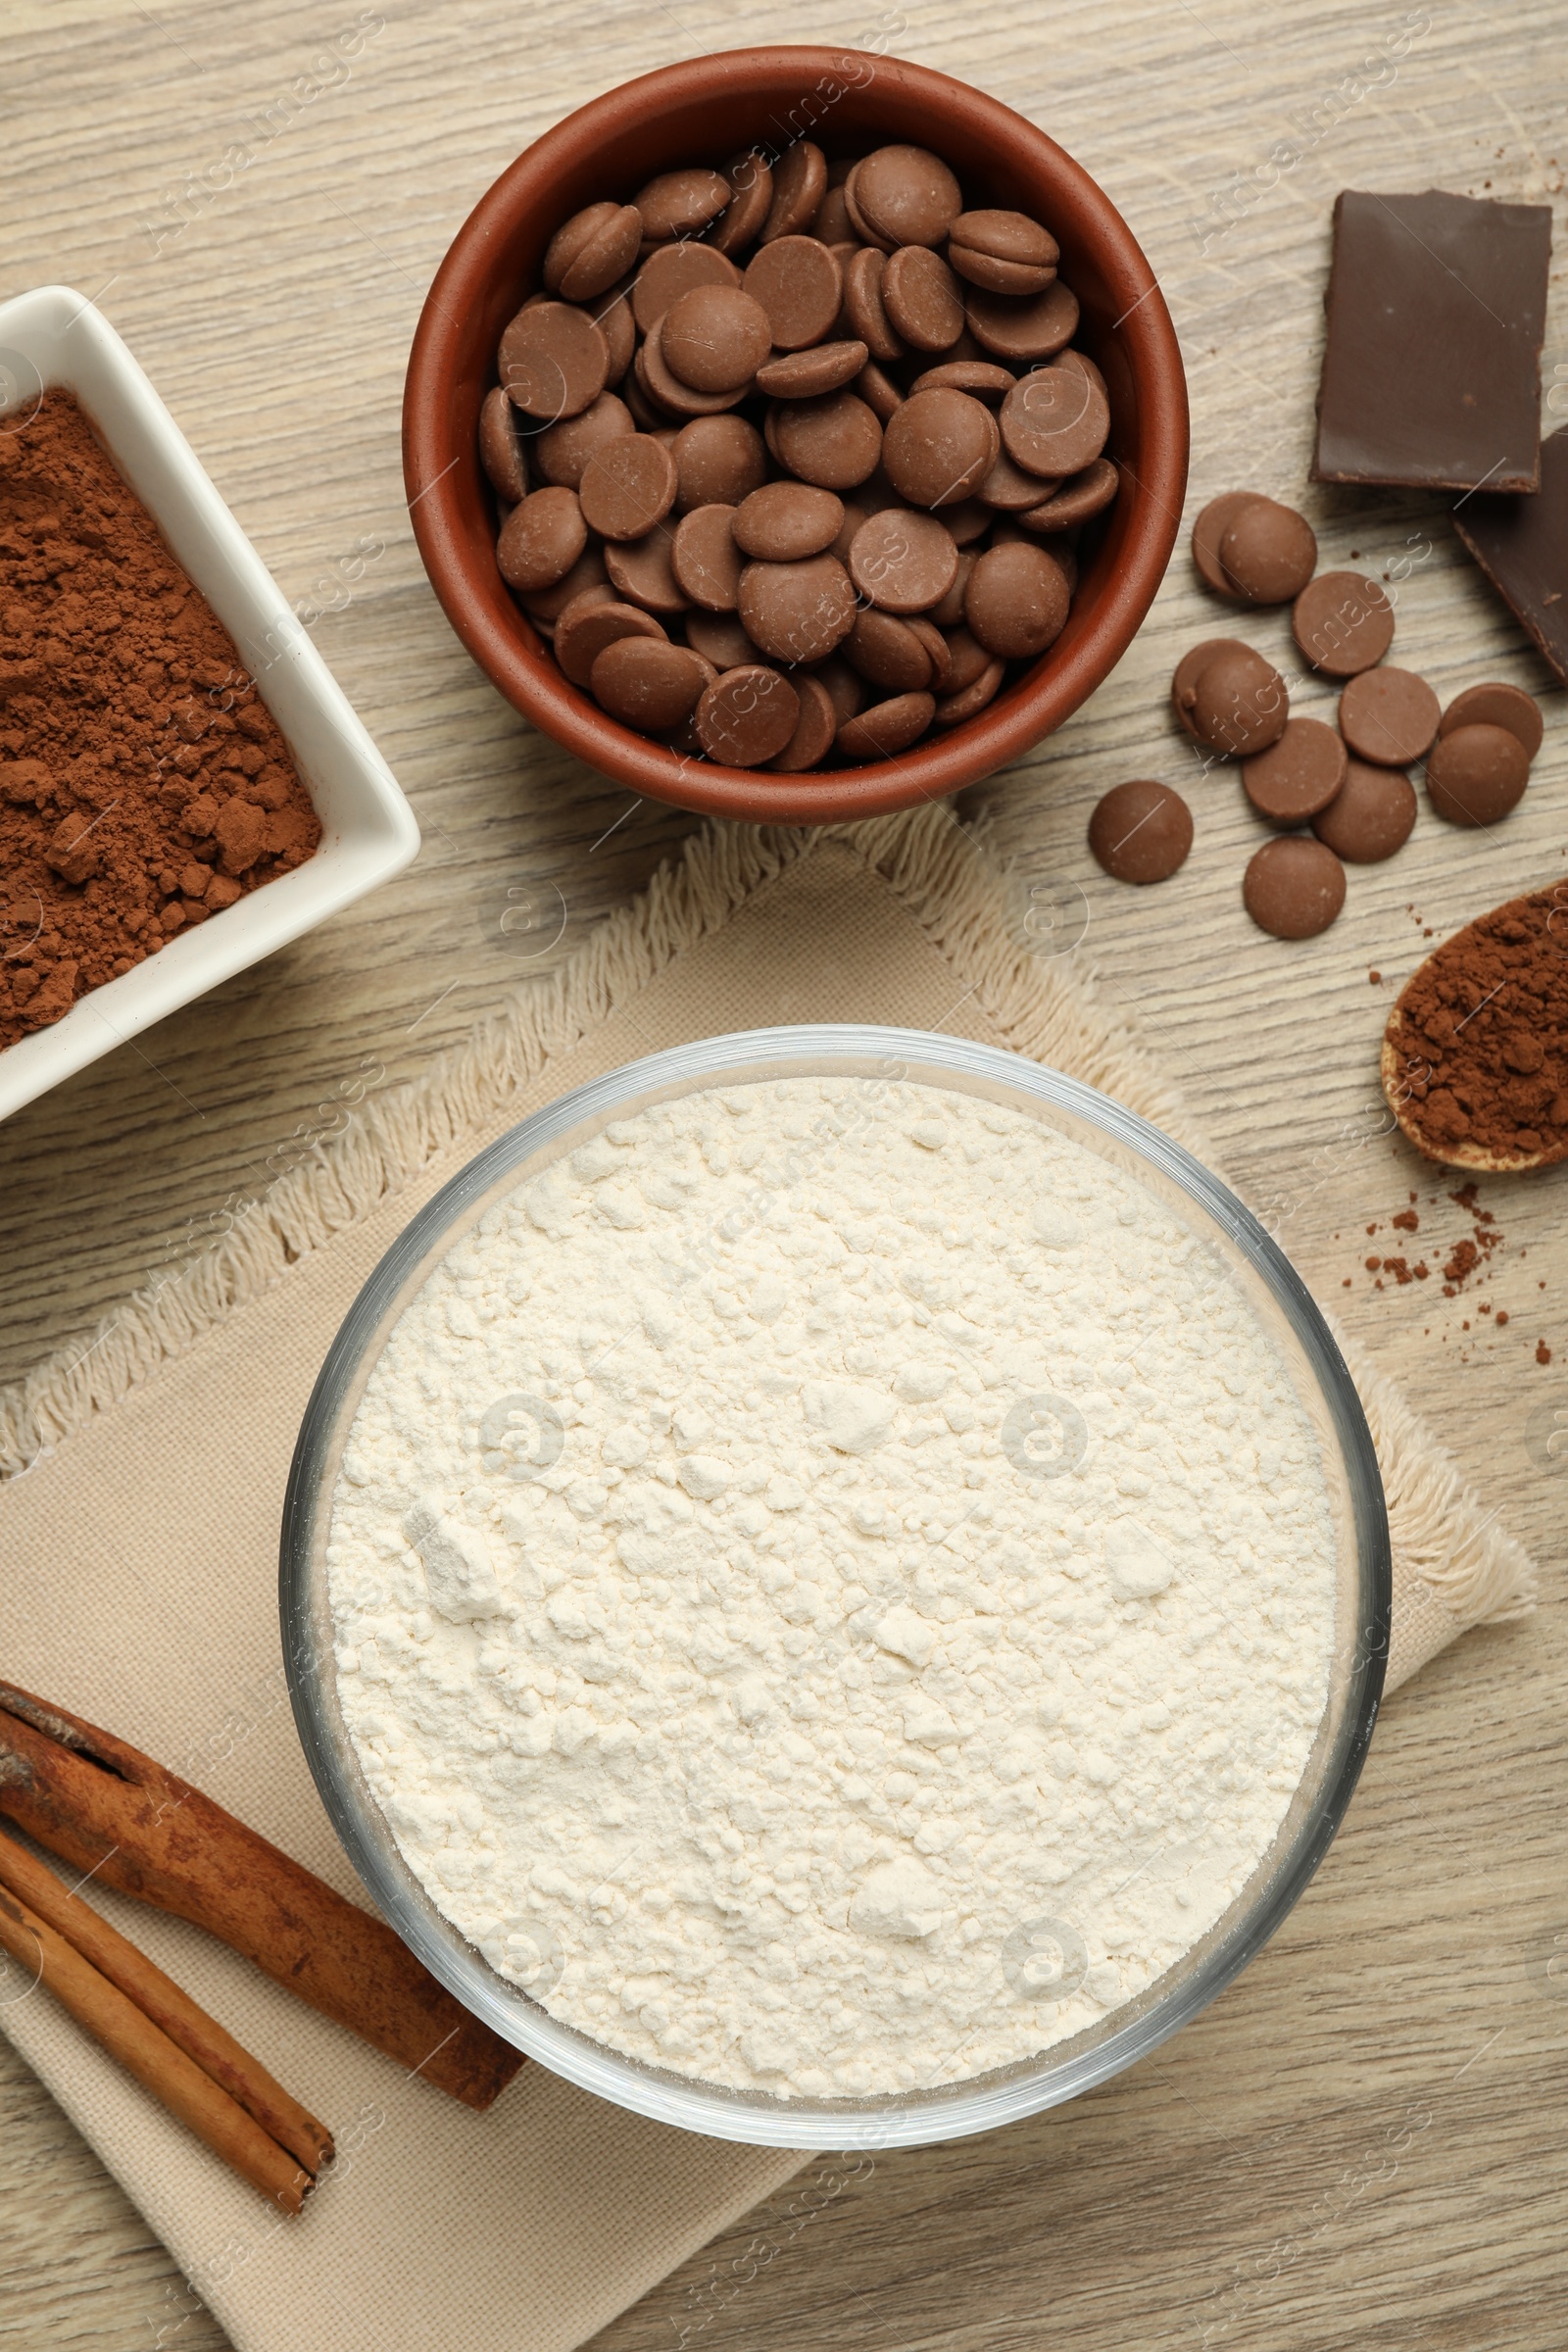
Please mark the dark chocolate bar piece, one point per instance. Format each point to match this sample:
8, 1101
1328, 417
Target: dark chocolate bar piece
1437, 305
1521, 544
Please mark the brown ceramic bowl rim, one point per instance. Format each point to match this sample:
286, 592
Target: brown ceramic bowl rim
506, 233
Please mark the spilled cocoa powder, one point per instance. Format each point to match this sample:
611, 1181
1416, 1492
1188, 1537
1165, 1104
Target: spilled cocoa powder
1467, 1260
1481, 1032
1466, 1257
144, 785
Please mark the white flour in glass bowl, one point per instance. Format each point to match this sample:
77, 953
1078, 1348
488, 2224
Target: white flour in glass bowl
833, 1587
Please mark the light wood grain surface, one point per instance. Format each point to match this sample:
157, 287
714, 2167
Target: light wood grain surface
1363, 2137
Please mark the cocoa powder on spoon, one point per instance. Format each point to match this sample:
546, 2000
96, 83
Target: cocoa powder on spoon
1475, 1055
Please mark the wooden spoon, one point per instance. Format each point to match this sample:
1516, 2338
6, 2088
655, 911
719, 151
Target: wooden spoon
1411, 1063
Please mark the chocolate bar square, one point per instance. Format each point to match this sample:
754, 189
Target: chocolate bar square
1521, 544
1437, 305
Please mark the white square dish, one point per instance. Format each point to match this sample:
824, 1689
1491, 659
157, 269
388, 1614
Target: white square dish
53, 337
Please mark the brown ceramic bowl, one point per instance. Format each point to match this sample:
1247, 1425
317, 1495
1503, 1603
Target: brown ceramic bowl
704, 111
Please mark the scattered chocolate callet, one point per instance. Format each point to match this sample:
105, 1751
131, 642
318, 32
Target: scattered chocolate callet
1496, 705
1267, 553
144, 784
1371, 815
1140, 831
1475, 1055
1343, 623
1212, 522
1477, 776
1389, 717
1294, 887
1190, 668
1297, 776
1238, 704
1437, 305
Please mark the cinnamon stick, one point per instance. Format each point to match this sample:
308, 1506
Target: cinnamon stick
147, 2053
168, 2006
112, 1812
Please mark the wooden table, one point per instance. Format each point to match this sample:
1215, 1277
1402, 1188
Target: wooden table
1364, 2135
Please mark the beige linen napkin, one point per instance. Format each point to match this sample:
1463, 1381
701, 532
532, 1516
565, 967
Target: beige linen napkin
139, 1538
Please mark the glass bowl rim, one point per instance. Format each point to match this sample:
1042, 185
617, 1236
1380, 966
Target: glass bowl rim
895, 2119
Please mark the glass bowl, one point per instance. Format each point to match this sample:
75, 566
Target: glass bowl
1245, 1256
